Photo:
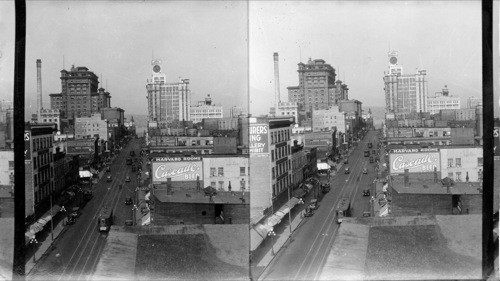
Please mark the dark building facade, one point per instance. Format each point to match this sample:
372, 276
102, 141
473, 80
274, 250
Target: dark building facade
80, 96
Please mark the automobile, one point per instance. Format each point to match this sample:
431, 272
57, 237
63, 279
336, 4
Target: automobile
365, 171
314, 205
109, 179
127, 179
367, 214
308, 212
128, 201
347, 171
75, 212
366, 192
70, 220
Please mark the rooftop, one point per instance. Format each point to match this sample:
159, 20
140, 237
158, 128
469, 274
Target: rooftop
194, 252
191, 196
402, 248
428, 186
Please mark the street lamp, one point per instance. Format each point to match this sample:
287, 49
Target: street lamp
33, 241
271, 234
134, 209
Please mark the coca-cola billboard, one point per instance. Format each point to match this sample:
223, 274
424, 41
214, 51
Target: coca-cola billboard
419, 162
177, 169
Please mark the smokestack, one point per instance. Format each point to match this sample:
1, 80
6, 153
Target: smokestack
277, 98
39, 85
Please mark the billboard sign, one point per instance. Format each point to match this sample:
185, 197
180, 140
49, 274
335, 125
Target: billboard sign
176, 168
259, 139
496, 142
420, 162
27, 145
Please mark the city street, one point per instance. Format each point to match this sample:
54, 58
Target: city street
305, 253
75, 253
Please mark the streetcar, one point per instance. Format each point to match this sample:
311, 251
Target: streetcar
343, 209
105, 219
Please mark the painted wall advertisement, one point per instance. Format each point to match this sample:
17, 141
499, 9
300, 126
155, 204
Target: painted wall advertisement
27, 145
418, 160
259, 139
176, 168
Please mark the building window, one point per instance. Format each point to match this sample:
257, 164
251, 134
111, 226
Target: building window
450, 162
459, 177
212, 172
221, 185
273, 172
11, 165
213, 184
242, 171
272, 155
458, 162
221, 172
480, 161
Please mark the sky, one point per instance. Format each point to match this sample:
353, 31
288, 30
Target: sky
203, 41
226, 48
443, 38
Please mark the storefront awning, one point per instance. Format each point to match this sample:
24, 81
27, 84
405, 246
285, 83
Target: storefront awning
323, 166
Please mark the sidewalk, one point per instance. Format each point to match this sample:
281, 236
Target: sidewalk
281, 240
43, 247
45, 243
271, 246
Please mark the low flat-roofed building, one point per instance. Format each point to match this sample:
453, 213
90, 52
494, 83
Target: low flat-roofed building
421, 195
195, 207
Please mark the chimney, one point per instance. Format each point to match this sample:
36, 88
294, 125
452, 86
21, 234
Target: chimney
39, 86
169, 186
407, 178
435, 175
276, 82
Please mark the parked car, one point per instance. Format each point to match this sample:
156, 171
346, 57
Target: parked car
308, 212
367, 214
347, 171
128, 201
365, 171
314, 205
109, 179
366, 192
70, 220
127, 179
75, 212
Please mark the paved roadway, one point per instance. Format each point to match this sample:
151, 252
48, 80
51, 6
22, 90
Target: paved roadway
76, 252
304, 255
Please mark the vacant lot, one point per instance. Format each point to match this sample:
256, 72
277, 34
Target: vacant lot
415, 252
186, 256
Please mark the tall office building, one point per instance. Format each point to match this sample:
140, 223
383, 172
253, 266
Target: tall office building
404, 93
442, 101
237, 111
167, 102
317, 88
80, 96
473, 102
